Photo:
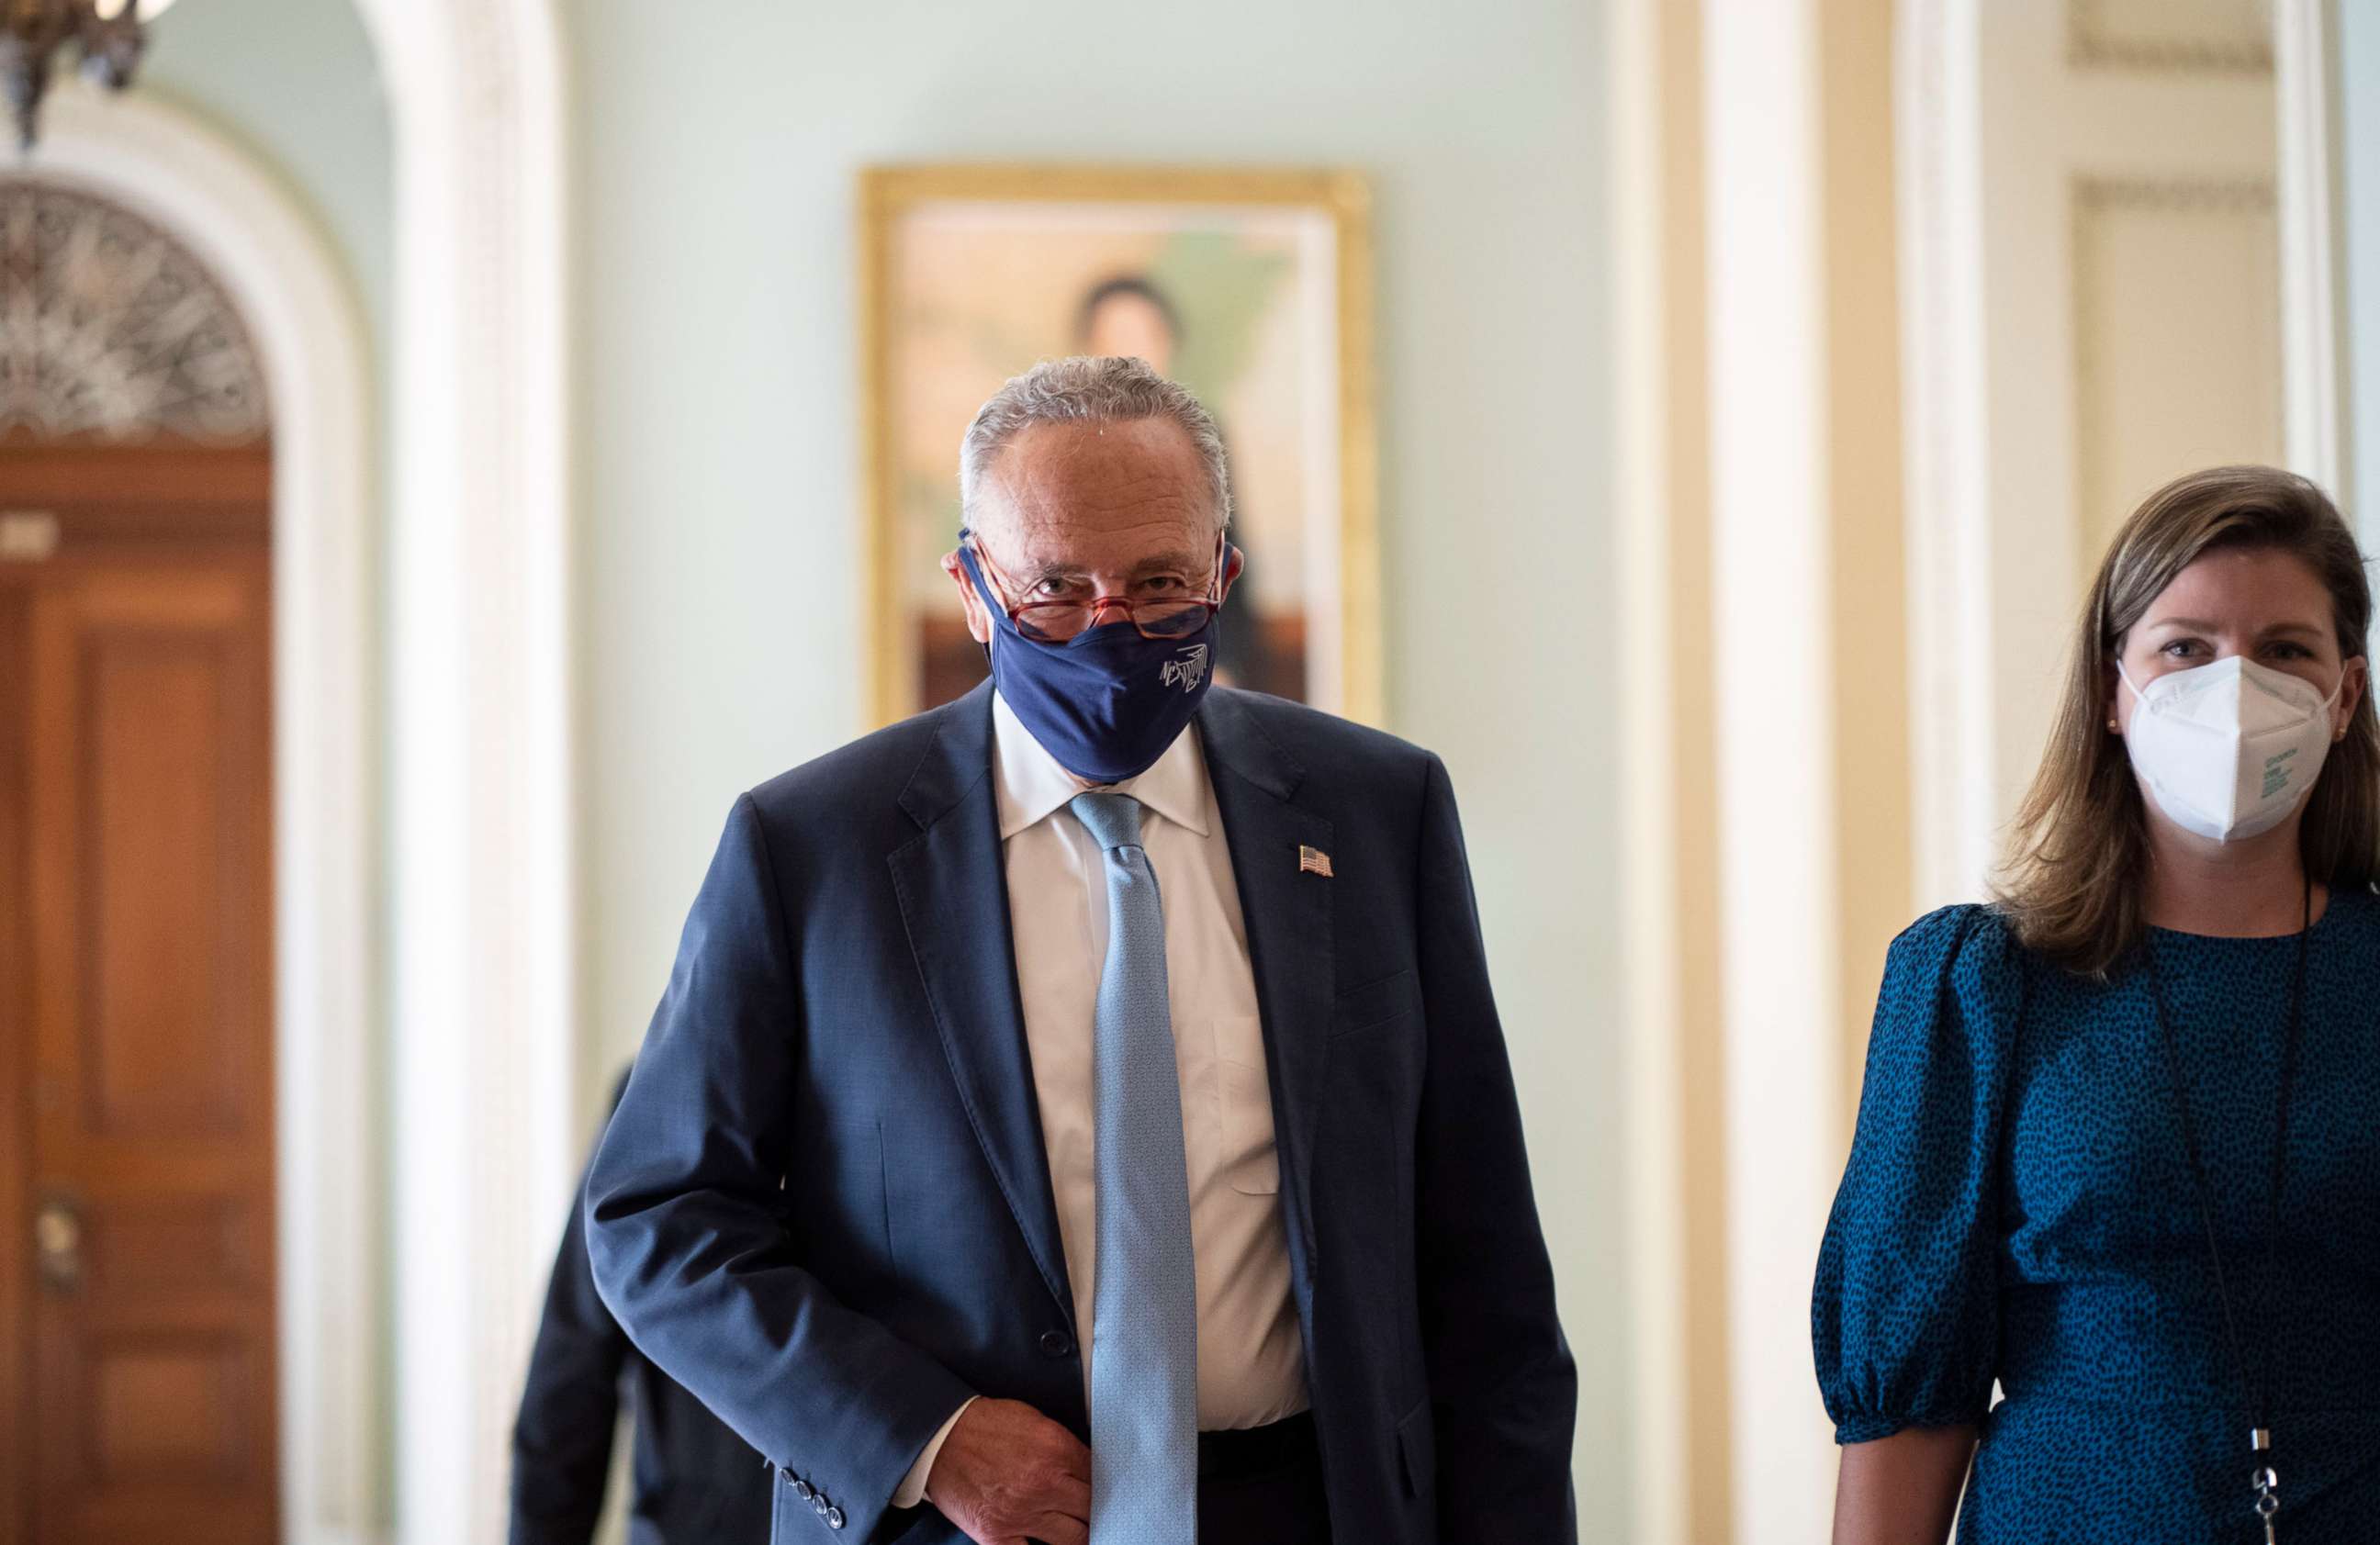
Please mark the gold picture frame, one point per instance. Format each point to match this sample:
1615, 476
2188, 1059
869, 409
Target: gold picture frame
914, 218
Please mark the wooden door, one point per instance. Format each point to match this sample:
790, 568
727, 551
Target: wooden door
137, 1269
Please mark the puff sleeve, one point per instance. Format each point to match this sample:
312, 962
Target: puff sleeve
1905, 1315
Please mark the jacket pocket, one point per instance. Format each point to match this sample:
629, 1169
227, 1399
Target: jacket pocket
1418, 1444
1375, 1003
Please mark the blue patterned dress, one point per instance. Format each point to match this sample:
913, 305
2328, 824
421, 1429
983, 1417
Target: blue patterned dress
2019, 1208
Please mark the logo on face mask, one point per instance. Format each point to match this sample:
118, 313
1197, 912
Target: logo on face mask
1187, 672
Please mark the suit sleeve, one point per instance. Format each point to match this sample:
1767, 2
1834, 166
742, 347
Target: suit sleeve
1503, 1390
562, 1442
685, 1230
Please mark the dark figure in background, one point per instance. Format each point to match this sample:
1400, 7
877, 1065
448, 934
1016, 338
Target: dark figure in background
695, 1482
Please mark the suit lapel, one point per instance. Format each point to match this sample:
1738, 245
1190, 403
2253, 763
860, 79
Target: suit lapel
1288, 917
953, 886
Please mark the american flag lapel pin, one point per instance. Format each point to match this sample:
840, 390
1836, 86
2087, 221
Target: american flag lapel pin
1313, 861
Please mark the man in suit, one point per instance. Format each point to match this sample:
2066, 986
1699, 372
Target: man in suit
1078, 1112
695, 1481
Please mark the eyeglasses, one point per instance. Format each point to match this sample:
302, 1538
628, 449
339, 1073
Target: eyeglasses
1056, 621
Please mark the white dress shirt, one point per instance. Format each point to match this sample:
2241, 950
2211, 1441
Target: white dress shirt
1251, 1362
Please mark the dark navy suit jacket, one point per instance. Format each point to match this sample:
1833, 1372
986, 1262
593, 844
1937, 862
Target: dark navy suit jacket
823, 1204
695, 1482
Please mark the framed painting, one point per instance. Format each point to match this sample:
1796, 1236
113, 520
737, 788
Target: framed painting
1252, 288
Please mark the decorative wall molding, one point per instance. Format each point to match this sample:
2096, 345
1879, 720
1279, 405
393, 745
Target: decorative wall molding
2102, 208
2206, 37
483, 1043
243, 228
2178, 195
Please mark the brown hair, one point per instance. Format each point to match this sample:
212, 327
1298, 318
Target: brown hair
2072, 882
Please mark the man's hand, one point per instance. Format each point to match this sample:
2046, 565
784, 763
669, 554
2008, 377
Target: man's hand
1007, 1474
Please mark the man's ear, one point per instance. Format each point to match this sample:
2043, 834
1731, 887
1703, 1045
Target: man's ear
1234, 561
978, 620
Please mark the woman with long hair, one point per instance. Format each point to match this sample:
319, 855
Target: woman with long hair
2119, 1150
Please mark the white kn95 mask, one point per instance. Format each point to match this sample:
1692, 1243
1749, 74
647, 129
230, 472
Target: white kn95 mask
2229, 749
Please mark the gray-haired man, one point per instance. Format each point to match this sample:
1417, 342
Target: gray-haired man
1150, 1166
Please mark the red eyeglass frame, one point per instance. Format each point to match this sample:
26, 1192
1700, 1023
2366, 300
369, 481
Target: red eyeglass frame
1212, 603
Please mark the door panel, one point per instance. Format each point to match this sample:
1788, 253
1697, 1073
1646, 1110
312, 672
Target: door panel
159, 1047
148, 864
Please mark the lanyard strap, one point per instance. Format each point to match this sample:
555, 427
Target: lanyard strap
2259, 1390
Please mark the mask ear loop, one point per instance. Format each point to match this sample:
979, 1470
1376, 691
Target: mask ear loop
982, 589
2125, 677
2330, 705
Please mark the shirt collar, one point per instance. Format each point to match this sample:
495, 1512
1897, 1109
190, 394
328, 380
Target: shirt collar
1031, 784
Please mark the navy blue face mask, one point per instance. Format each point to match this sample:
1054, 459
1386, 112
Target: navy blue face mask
1107, 702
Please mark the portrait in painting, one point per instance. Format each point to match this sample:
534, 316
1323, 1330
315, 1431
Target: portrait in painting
1252, 289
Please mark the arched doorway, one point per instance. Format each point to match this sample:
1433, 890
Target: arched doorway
407, 1291
236, 221
136, 1117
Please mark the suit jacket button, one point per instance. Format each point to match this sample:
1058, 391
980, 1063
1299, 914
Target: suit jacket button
834, 1518
1056, 1344
801, 1488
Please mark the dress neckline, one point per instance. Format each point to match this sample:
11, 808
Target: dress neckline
2341, 898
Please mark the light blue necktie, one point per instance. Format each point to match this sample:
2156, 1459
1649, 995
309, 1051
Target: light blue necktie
1145, 1307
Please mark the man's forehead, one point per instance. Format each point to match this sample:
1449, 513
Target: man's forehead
1136, 458
1079, 494
1062, 543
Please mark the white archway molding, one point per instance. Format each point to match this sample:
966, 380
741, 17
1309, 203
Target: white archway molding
290, 288
483, 1032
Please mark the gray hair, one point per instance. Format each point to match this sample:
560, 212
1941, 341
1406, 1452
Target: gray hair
1089, 389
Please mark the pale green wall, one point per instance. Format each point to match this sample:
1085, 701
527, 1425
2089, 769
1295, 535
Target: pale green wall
717, 457
296, 80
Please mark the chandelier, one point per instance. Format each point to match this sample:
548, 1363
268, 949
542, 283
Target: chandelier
110, 35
